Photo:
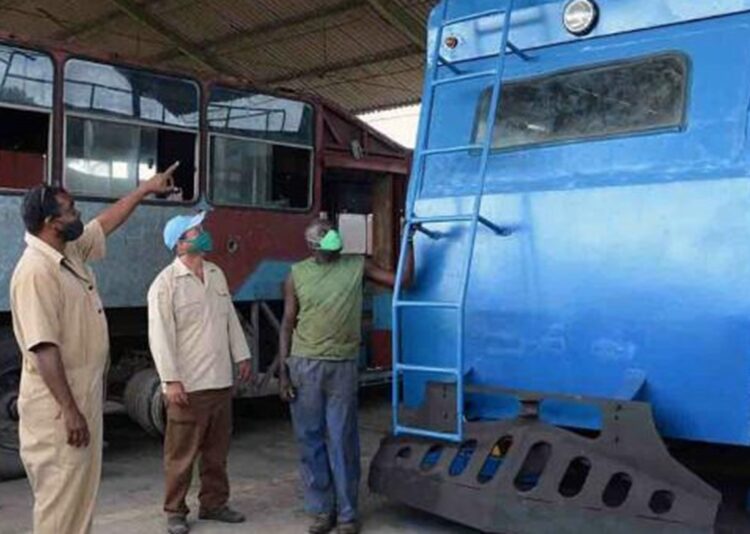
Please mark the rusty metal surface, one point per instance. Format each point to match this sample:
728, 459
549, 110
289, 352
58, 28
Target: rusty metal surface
530, 494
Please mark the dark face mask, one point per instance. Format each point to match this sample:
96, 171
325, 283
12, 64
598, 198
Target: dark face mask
72, 230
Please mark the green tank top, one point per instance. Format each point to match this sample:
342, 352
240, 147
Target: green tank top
329, 319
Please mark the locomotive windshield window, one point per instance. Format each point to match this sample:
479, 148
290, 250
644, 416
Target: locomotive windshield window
637, 96
260, 150
122, 125
25, 112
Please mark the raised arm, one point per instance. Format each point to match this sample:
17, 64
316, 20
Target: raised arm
291, 308
111, 218
386, 277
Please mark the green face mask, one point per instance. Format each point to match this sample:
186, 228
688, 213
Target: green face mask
331, 242
201, 243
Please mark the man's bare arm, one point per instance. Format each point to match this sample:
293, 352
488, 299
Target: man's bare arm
50, 367
112, 217
291, 308
387, 278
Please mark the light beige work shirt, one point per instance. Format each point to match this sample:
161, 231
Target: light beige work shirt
193, 329
54, 300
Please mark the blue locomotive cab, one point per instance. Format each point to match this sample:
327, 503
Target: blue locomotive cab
582, 187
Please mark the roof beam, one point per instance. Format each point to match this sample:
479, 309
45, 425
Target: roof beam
399, 18
187, 48
86, 26
263, 30
332, 68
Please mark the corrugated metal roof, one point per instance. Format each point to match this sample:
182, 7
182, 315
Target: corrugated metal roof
348, 51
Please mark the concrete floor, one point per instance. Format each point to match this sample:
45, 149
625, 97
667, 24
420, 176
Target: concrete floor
263, 474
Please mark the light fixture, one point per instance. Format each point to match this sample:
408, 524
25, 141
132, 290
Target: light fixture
580, 16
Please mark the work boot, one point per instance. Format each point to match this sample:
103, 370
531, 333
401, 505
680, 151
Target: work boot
349, 527
224, 515
177, 524
322, 524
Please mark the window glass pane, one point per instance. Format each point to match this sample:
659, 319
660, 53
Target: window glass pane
260, 116
106, 89
108, 159
594, 102
259, 174
25, 77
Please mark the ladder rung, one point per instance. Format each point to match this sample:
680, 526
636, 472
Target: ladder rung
424, 304
449, 436
450, 150
464, 77
479, 15
425, 369
442, 219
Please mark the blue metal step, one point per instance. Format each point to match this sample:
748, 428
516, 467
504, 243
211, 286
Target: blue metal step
450, 149
446, 436
425, 369
425, 304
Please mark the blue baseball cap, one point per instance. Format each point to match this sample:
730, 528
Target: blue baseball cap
176, 226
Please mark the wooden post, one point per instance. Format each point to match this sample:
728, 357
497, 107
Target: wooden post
384, 249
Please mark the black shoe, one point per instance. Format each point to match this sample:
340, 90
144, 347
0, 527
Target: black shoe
224, 515
177, 524
348, 527
322, 524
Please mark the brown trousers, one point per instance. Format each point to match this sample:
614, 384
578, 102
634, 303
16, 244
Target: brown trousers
201, 428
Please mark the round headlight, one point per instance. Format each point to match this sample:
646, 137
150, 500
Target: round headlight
580, 16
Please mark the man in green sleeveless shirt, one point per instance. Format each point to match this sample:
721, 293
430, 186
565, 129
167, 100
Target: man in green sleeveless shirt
321, 331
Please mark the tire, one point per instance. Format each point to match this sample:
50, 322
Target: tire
143, 401
10, 462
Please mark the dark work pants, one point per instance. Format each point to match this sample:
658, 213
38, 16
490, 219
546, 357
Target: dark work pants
203, 428
324, 414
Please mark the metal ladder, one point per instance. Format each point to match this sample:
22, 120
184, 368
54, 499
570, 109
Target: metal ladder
474, 219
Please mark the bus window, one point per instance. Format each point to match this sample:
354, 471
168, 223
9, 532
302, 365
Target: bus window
260, 150
637, 96
122, 125
25, 113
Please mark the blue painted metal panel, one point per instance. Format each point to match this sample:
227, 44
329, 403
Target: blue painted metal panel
266, 282
538, 23
627, 273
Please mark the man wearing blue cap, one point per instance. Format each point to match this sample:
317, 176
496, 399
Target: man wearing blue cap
321, 331
195, 338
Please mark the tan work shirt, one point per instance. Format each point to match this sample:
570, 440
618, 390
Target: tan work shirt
54, 300
193, 329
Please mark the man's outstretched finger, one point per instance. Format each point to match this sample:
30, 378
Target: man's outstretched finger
171, 168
